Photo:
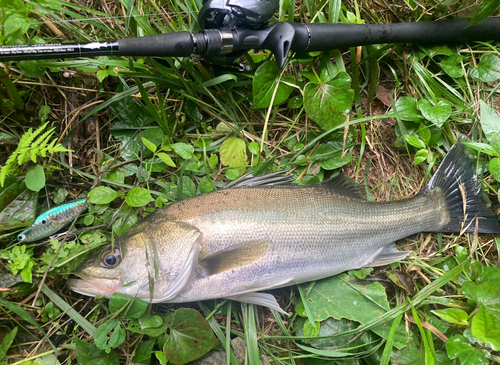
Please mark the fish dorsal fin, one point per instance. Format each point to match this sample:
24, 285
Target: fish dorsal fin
344, 186
274, 179
234, 257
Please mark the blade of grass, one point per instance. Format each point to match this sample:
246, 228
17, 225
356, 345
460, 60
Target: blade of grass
386, 355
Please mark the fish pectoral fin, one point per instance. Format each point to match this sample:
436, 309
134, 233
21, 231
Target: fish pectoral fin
387, 255
263, 299
234, 257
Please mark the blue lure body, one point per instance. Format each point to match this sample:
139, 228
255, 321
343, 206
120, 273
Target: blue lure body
52, 221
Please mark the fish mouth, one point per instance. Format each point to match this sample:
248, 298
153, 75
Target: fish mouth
93, 285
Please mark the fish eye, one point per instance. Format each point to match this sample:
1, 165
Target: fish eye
110, 259
44, 221
21, 237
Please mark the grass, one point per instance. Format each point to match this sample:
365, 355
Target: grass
146, 132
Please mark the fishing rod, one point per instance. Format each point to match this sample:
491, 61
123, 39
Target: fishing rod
232, 27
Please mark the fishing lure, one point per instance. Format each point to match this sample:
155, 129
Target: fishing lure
52, 221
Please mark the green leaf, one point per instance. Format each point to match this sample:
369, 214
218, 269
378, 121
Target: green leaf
265, 83
143, 352
149, 145
35, 178
183, 150
327, 103
437, 114
233, 152
421, 156
328, 298
329, 157
486, 8
486, 327
87, 353
490, 123
138, 197
6, 342
233, 174
311, 330
407, 106
451, 65
136, 307
213, 161
458, 346
206, 185
424, 133
109, 335
190, 337
453, 315
414, 141
166, 159
253, 147
488, 69
102, 195
188, 186
494, 168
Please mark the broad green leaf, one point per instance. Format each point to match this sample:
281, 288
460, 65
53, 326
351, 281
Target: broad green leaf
183, 150
437, 114
6, 342
329, 157
233, 152
106, 341
451, 65
102, 195
138, 197
253, 147
458, 346
166, 159
143, 352
407, 107
338, 297
486, 9
311, 330
149, 145
490, 123
265, 83
232, 174
488, 69
424, 133
213, 161
188, 186
486, 327
414, 141
35, 178
421, 156
190, 337
453, 315
136, 307
482, 147
411, 354
87, 353
206, 185
327, 103
485, 293
49, 359
494, 168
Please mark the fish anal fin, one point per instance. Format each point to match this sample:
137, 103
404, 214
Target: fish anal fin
344, 186
234, 257
263, 299
387, 255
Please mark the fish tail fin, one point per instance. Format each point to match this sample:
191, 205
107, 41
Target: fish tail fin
460, 187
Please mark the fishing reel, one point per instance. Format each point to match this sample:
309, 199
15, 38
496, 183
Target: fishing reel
247, 14
235, 14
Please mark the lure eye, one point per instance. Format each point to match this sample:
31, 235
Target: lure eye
110, 259
21, 237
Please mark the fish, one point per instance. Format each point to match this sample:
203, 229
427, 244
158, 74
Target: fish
235, 243
52, 221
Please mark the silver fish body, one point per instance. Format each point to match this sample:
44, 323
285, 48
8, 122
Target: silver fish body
233, 243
